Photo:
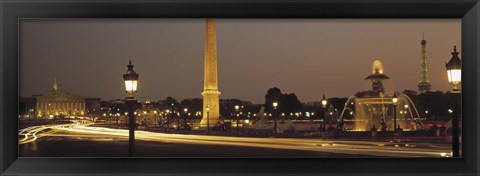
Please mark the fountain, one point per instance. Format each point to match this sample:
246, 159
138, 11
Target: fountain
374, 107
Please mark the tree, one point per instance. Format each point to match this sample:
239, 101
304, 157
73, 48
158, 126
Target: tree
287, 103
273, 95
169, 101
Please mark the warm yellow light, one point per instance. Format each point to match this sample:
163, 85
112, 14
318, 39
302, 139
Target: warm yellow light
131, 86
454, 76
450, 111
208, 108
377, 67
275, 104
185, 109
324, 103
406, 106
395, 100
246, 121
155, 112
236, 107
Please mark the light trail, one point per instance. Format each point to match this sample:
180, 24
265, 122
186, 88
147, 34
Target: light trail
34, 132
372, 148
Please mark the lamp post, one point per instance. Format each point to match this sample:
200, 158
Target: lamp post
407, 111
324, 105
156, 118
131, 82
208, 118
172, 113
167, 113
395, 100
275, 104
454, 73
237, 116
185, 119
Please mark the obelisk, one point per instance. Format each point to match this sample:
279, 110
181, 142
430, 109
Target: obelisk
210, 82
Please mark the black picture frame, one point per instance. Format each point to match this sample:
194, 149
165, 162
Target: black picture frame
12, 10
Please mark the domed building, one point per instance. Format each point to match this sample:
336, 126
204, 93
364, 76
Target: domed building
59, 103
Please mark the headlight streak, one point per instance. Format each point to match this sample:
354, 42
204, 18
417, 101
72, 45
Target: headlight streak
373, 148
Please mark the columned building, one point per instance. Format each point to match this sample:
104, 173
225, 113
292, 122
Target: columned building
59, 103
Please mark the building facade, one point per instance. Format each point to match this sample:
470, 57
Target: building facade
59, 103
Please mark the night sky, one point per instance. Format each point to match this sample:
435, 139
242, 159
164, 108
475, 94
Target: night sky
305, 57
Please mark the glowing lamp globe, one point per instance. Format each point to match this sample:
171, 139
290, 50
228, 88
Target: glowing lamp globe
395, 99
454, 70
131, 80
324, 101
275, 104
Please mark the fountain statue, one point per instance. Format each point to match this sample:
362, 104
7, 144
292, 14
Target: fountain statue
374, 108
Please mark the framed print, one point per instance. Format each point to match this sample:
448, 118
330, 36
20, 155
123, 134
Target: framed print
245, 87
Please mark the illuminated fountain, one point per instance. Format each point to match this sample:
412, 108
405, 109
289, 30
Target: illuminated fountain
374, 107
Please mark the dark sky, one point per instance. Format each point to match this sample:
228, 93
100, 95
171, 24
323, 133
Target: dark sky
306, 57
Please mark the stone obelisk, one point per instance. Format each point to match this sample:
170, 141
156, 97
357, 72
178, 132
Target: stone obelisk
210, 82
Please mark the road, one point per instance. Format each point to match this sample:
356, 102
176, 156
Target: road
334, 146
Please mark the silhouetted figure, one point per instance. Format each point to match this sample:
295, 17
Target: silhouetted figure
384, 125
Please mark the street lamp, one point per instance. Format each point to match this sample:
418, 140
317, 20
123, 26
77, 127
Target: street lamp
324, 101
131, 82
324, 105
167, 114
395, 100
454, 73
208, 118
275, 104
237, 115
185, 118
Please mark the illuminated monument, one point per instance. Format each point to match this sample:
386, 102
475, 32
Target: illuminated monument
424, 83
374, 107
59, 103
210, 83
